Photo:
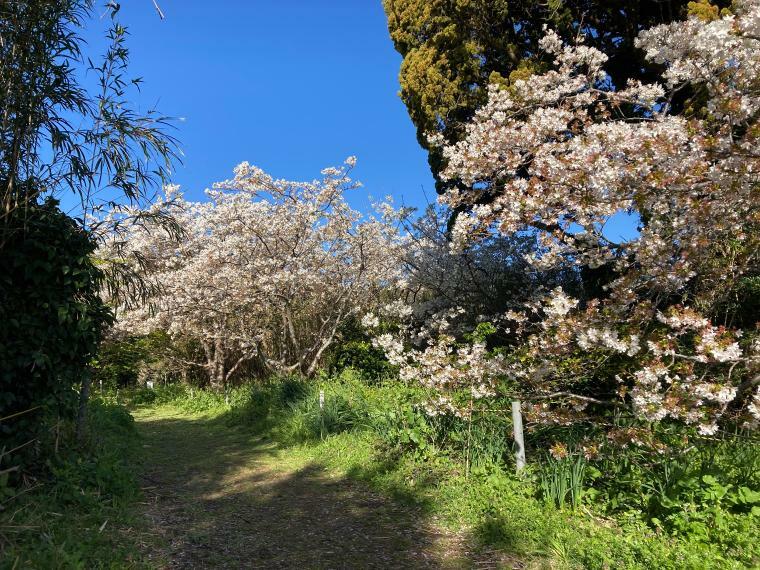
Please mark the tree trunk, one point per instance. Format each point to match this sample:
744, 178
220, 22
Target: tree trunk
214, 363
218, 376
326, 343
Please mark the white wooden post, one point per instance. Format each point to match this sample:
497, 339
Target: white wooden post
518, 433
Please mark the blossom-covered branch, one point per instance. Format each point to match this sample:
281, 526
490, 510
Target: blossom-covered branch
560, 153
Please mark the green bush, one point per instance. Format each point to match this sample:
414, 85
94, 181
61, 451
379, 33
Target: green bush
52, 317
120, 363
355, 352
361, 356
156, 396
404, 428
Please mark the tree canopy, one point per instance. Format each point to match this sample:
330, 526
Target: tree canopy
453, 49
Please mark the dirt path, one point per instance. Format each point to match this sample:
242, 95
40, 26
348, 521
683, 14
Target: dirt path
217, 497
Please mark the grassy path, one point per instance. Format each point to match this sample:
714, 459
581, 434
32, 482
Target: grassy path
218, 497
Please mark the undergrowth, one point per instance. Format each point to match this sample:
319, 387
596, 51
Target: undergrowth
695, 509
77, 510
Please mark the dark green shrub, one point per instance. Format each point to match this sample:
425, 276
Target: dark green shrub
290, 390
51, 317
355, 351
158, 395
125, 362
118, 363
361, 356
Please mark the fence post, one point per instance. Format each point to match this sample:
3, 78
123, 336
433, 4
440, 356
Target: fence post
518, 433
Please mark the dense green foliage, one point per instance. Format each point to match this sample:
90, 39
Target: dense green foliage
52, 318
126, 361
58, 137
356, 351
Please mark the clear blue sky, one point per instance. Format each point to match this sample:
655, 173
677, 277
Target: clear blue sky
292, 86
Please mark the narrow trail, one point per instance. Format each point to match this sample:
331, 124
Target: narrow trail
217, 497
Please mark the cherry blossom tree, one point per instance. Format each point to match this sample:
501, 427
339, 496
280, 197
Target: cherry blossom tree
558, 154
266, 273
479, 282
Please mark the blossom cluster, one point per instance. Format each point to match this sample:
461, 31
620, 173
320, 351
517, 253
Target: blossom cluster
460, 373
266, 270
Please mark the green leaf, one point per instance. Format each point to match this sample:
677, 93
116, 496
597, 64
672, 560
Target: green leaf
747, 496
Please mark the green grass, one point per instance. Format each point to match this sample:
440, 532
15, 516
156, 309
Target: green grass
79, 511
376, 435
502, 511
205, 446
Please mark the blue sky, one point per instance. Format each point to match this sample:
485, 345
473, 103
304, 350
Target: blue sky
292, 86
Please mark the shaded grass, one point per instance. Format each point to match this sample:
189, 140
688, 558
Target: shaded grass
226, 497
370, 434
80, 511
501, 512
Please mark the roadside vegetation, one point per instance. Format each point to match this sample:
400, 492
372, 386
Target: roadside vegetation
638, 508
78, 510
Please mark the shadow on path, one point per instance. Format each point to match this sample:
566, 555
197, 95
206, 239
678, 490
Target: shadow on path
219, 498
